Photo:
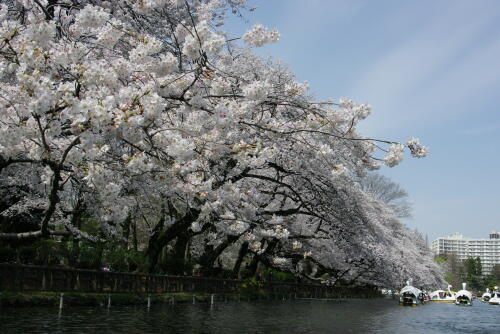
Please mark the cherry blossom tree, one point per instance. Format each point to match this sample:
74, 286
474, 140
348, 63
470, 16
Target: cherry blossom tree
147, 114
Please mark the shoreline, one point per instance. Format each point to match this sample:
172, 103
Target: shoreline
53, 299
49, 298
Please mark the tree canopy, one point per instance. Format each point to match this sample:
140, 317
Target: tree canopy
146, 116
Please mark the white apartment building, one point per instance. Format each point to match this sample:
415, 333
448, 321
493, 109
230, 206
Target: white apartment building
488, 250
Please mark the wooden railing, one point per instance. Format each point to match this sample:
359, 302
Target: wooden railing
15, 277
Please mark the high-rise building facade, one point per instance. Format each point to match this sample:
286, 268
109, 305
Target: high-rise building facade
488, 250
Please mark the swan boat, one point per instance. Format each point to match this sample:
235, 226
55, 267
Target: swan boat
464, 297
486, 296
443, 296
409, 295
495, 297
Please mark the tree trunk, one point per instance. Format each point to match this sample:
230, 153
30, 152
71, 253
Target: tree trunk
134, 235
155, 245
179, 254
126, 230
207, 260
241, 255
161, 238
252, 268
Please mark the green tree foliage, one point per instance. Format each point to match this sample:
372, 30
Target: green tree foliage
473, 271
469, 271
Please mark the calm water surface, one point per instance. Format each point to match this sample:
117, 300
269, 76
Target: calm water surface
353, 316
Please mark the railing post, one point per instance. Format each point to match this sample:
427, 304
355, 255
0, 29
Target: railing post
44, 280
61, 301
51, 281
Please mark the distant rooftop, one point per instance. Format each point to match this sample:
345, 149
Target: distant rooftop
458, 236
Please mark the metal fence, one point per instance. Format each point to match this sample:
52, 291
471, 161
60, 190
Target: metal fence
15, 277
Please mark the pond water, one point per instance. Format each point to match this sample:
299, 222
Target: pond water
292, 316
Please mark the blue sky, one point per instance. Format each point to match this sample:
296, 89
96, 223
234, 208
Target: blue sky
430, 69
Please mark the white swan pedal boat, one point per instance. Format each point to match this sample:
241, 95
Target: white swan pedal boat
486, 296
464, 297
443, 296
495, 298
409, 295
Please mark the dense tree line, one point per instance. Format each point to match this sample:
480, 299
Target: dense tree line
470, 271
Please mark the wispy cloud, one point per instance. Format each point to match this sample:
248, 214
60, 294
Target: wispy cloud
437, 67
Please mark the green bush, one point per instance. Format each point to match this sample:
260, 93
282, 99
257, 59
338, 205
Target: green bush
27, 254
137, 261
70, 251
48, 252
90, 256
168, 263
250, 285
7, 255
119, 259
116, 259
278, 276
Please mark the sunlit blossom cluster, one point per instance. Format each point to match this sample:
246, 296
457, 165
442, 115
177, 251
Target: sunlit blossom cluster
259, 35
394, 155
417, 150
